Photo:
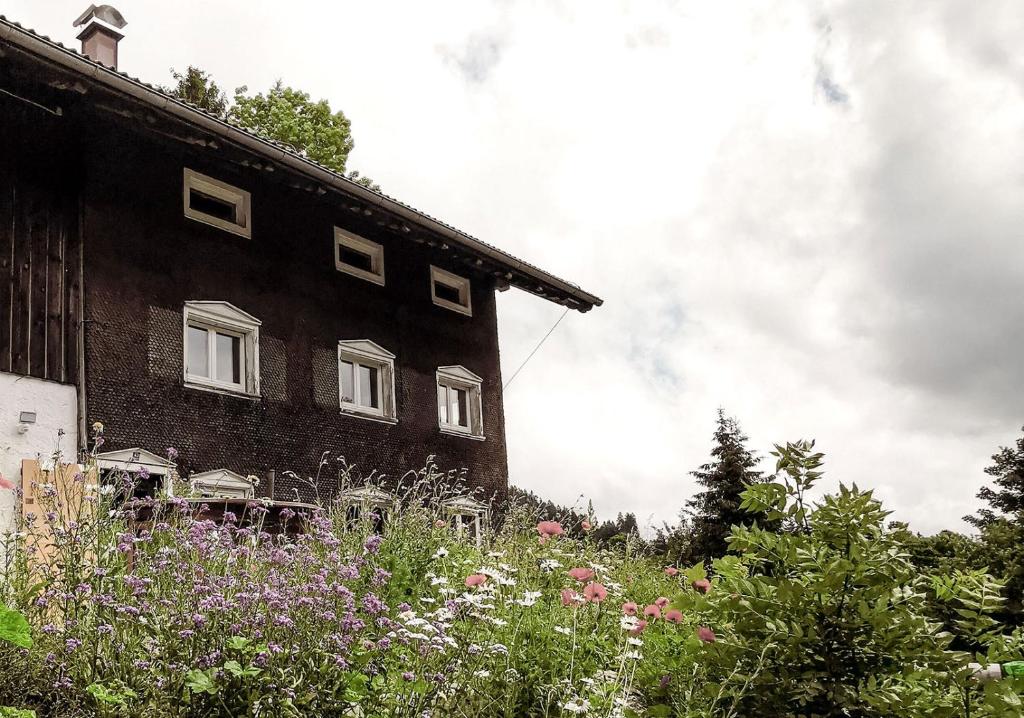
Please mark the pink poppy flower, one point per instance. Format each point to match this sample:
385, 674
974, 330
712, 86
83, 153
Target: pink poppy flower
671, 571
581, 574
439, 524
652, 611
674, 615
585, 525
706, 634
569, 597
629, 608
661, 602
595, 592
550, 528
638, 628
475, 579
702, 585
5, 484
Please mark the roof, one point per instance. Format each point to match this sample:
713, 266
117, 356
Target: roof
516, 272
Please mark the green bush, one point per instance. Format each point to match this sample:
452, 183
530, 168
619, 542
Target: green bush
190, 617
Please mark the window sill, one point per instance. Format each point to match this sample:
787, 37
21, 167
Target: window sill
462, 434
369, 417
220, 390
452, 306
348, 269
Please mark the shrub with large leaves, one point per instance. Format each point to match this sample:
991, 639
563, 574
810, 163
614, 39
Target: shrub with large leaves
827, 618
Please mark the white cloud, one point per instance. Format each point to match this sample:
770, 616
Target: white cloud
807, 213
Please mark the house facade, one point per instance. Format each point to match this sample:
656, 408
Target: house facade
192, 285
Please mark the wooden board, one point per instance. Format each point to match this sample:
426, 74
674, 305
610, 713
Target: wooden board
40, 281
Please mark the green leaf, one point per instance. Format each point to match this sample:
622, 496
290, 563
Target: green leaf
237, 643
200, 682
104, 695
6, 712
14, 628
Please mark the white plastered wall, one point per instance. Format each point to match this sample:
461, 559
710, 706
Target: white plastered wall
56, 407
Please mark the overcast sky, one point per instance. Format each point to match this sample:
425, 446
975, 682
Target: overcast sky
810, 214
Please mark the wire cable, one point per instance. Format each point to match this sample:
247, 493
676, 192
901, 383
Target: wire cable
539, 345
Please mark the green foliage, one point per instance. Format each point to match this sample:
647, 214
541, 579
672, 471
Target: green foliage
1006, 501
14, 628
283, 114
1002, 527
717, 508
291, 116
826, 616
829, 617
7, 712
197, 87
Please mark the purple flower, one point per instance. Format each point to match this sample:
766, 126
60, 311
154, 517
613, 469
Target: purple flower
172, 453
373, 543
409, 676
72, 643
373, 605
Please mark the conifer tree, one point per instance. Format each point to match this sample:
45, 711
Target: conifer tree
716, 509
1006, 501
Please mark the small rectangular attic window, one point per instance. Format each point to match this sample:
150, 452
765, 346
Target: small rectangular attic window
217, 203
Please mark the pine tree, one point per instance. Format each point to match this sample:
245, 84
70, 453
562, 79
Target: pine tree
197, 87
716, 509
1008, 500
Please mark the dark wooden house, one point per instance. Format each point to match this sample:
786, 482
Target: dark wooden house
193, 285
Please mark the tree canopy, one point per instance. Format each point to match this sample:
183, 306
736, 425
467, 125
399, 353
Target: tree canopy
198, 88
716, 509
282, 113
291, 116
1006, 501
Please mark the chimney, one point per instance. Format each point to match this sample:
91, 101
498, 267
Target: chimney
101, 33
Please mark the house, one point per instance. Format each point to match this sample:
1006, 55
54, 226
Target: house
193, 285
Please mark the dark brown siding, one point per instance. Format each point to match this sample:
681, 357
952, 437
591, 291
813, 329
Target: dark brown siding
39, 249
145, 260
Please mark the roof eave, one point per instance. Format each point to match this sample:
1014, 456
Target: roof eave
577, 297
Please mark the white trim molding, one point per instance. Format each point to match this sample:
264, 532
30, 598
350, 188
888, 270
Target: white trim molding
459, 403
222, 320
237, 201
455, 284
135, 460
359, 358
222, 484
469, 516
371, 251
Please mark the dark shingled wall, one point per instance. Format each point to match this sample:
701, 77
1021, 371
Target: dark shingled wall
144, 260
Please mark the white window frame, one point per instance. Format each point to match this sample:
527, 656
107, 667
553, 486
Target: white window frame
241, 200
459, 377
363, 352
460, 284
344, 238
465, 511
223, 318
135, 460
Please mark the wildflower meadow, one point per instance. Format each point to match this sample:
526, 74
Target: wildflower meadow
106, 614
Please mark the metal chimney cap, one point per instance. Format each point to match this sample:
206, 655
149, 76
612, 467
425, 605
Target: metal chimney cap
105, 13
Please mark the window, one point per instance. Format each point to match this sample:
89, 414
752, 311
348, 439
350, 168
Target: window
218, 204
369, 504
366, 380
221, 348
137, 463
458, 402
450, 291
358, 257
468, 518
